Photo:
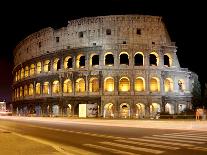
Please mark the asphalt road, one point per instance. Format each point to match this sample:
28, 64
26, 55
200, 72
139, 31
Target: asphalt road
74, 138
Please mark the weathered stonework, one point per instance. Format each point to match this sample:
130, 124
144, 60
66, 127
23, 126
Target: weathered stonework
117, 35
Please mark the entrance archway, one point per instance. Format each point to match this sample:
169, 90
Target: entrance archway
154, 109
169, 108
124, 110
109, 110
140, 110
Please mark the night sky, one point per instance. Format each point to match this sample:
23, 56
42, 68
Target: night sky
185, 21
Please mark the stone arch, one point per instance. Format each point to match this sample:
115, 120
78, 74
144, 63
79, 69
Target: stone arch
181, 85
167, 60
139, 59
80, 85
154, 84
55, 110
38, 89
26, 74
46, 89
169, 108
154, 109
109, 59
39, 67
94, 60
124, 84
68, 62
32, 69
153, 59
25, 90
20, 91
140, 110
108, 110
124, 58
80, 61
139, 84
46, 65
94, 85
168, 85
67, 86
56, 87
31, 89
109, 84
56, 64
124, 110
22, 73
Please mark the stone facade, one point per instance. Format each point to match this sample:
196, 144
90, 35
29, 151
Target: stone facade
126, 64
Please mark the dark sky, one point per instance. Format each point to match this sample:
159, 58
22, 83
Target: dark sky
185, 21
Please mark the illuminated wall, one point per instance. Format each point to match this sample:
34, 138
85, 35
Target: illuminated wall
124, 84
139, 84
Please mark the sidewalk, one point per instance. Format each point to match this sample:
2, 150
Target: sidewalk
12, 144
157, 124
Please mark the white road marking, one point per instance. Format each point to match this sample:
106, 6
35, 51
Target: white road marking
154, 151
172, 139
161, 142
182, 137
79, 132
187, 132
110, 149
148, 144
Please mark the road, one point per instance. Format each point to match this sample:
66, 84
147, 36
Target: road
68, 138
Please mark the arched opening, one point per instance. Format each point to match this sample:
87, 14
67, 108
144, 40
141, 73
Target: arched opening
56, 64
39, 67
154, 84
38, 110
169, 108
22, 73
46, 65
124, 110
46, 89
19, 74
124, 84
139, 59
68, 62
55, 110
124, 58
153, 59
56, 87
32, 70
181, 107
16, 76
139, 84
67, 86
109, 84
69, 110
80, 85
154, 109
95, 60
26, 71
181, 85
17, 92
37, 89
168, 85
166, 61
109, 59
25, 90
140, 110
108, 111
31, 90
94, 85
80, 63
20, 92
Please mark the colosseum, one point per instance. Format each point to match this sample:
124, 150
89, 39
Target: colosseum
117, 66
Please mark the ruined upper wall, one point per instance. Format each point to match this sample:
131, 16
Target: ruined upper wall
90, 31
